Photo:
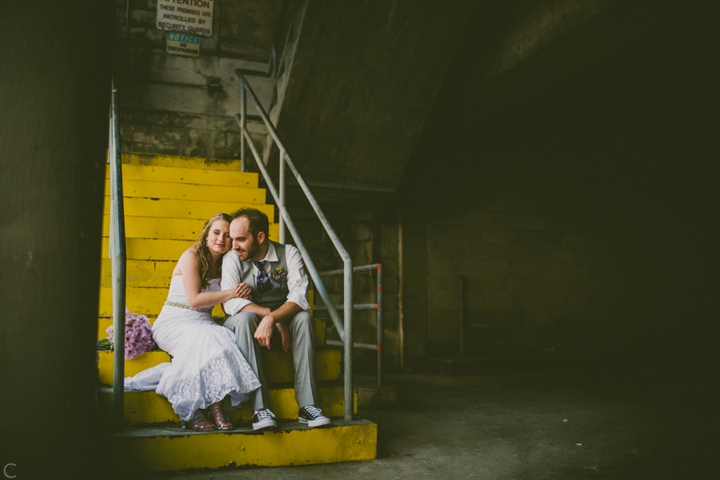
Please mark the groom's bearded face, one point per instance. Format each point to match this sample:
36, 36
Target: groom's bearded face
245, 244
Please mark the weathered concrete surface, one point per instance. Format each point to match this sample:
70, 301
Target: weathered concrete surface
165, 101
362, 80
519, 427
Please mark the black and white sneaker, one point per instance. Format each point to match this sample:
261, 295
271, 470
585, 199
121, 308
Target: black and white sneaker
263, 418
312, 416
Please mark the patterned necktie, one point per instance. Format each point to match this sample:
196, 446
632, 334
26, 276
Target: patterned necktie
262, 281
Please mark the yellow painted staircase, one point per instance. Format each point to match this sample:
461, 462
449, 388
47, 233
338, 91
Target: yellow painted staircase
167, 199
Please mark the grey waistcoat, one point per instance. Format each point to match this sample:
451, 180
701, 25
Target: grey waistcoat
277, 295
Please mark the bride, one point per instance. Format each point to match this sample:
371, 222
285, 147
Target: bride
206, 363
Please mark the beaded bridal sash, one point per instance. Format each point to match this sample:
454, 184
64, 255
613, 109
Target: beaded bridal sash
188, 307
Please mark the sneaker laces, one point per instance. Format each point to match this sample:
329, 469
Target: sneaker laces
313, 411
263, 414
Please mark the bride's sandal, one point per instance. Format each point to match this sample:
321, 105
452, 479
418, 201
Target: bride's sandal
198, 422
216, 413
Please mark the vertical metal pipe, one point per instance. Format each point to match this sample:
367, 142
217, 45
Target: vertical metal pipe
242, 127
282, 195
117, 241
380, 326
461, 285
349, 393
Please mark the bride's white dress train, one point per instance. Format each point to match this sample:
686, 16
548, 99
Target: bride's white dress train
206, 362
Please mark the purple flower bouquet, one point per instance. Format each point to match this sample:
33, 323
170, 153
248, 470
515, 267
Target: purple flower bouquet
138, 335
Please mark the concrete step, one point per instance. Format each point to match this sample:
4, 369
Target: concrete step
200, 176
140, 273
169, 208
146, 408
179, 161
159, 227
166, 449
163, 249
320, 326
278, 365
186, 191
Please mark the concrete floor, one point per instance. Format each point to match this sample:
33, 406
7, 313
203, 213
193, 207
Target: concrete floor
515, 426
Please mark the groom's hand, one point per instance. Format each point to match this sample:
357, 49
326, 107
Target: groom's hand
284, 336
264, 331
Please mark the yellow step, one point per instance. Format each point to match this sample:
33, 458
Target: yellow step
140, 273
145, 408
168, 208
158, 227
150, 249
179, 161
163, 249
143, 300
278, 365
200, 176
178, 191
320, 327
165, 449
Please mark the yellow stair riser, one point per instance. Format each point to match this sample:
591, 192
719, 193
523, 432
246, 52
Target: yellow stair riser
162, 249
146, 301
198, 176
320, 324
183, 450
278, 365
150, 408
167, 208
150, 249
176, 191
178, 161
160, 228
140, 273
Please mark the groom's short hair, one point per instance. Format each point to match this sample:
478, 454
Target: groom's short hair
257, 220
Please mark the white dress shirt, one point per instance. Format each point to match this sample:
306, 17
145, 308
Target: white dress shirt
297, 281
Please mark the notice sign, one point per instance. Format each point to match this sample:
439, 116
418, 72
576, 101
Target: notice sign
183, 44
187, 16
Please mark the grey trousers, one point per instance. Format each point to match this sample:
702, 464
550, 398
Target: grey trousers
302, 332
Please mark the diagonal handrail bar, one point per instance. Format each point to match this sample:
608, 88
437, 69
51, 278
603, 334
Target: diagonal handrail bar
344, 328
119, 261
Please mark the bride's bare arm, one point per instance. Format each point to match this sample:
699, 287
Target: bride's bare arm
188, 266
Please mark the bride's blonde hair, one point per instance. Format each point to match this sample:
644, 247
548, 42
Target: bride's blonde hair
203, 252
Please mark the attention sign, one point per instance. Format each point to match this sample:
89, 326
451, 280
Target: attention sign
183, 44
187, 16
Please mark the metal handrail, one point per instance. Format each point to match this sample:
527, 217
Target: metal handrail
344, 329
119, 263
377, 306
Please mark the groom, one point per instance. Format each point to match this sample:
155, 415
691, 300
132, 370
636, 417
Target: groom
275, 274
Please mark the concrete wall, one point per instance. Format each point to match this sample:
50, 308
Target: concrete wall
166, 105
543, 273
579, 214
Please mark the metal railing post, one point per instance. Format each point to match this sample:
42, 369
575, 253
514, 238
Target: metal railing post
349, 397
378, 307
282, 182
380, 326
344, 327
243, 115
118, 256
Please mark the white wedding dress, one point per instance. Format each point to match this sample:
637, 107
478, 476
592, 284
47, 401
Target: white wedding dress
206, 362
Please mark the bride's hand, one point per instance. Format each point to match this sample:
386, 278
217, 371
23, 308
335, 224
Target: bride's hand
243, 291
